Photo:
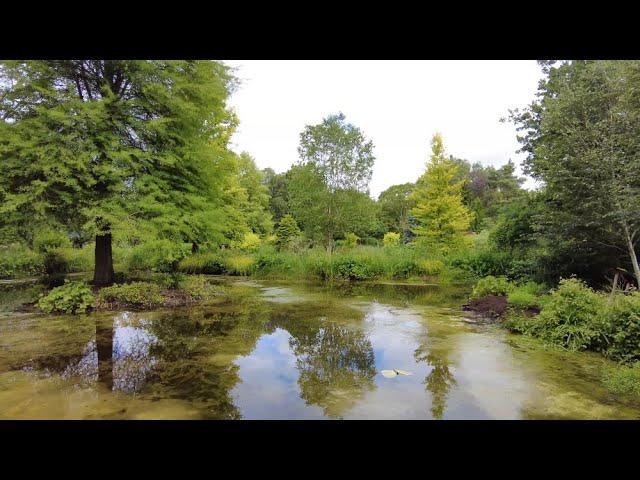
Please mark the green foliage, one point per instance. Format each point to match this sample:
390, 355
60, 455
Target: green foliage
391, 239
134, 295
253, 196
351, 240
491, 285
623, 380
55, 262
122, 146
622, 319
431, 267
572, 317
526, 295
197, 287
158, 256
395, 204
482, 262
47, 241
210, 263
441, 217
72, 297
18, 260
235, 264
250, 241
287, 231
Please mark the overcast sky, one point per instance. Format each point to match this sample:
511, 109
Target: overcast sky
397, 104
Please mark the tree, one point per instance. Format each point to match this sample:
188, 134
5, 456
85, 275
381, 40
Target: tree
441, 217
287, 231
340, 152
332, 176
395, 204
124, 147
582, 139
277, 184
255, 200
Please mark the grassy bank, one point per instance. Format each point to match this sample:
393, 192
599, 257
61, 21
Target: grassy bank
575, 317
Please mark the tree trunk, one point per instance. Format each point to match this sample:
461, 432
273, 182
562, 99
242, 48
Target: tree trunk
632, 254
103, 271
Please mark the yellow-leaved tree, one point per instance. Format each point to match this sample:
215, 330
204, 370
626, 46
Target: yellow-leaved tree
439, 214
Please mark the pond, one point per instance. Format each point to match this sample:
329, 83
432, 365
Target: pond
279, 350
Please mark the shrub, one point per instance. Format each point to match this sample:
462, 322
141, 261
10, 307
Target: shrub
391, 239
158, 256
16, 259
482, 263
354, 268
55, 262
250, 241
135, 295
197, 287
239, 264
80, 259
622, 318
571, 317
72, 297
351, 240
209, 263
287, 231
526, 295
431, 267
47, 241
491, 285
623, 380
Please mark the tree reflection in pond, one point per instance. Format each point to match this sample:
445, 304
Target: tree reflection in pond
335, 362
440, 379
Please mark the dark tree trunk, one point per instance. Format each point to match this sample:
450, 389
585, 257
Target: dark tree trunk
194, 247
103, 272
104, 348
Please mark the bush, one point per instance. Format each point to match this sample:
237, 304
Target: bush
47, 241
354, 268
431, 267
16, 259
482, 263
287, 231
391, 239
197, 287
80, 259
135, 295
208, 263
351, 240
239, 264
624, 380
55, 262
158, 256
250, 241
622, 318
526, 295
491, 286
72, 297
571, 318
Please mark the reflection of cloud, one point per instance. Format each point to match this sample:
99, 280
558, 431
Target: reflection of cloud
130, 360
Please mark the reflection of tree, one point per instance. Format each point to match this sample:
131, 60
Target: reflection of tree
336, 363
440, 380
195, 353
104, 348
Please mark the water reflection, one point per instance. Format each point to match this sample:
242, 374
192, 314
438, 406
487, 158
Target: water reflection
440, 379
119, 357
290, 352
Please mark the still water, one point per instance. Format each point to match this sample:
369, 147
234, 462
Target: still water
275, 350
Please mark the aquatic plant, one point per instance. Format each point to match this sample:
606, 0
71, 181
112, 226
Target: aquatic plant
72, 297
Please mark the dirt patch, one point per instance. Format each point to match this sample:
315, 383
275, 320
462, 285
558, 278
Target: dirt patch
491, 306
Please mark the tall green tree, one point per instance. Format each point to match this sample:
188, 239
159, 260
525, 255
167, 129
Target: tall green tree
334, 170
255, 198
125, 146
582, 139
395, 204
441, 217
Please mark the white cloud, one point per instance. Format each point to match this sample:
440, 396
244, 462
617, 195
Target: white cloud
398, 104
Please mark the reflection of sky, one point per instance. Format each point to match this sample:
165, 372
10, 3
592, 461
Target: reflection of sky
269, 387
130, 356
